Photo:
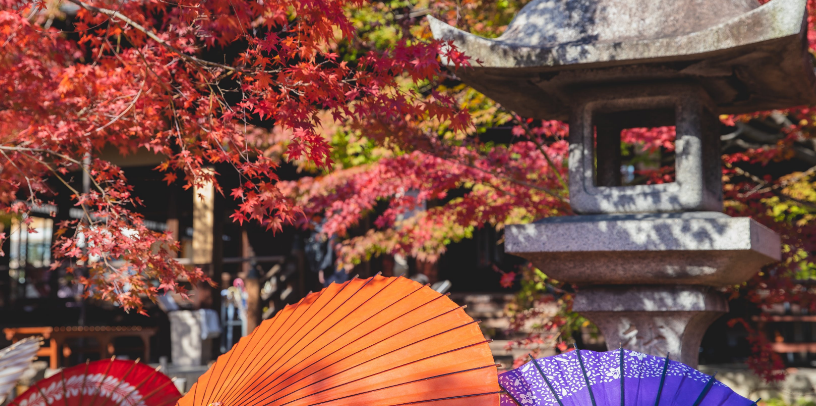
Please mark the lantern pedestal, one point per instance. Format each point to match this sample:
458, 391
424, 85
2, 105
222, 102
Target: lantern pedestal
648, 281
695, 248
657, 320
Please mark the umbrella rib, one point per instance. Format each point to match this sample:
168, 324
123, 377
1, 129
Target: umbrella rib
380, 372
372, 345
243, 376
705, 390
64, 388
158, 388
509, 394
334, 325
255, 384
206, 384
246, 371
313, 329
547, 381
243, 381
448, 398
45, 398
356, 339
623, 391
229, 357
65, 396
586, 378
136, 388
169, 402
84, 379
102, 381
250, 338
662, 380
122, 380
401, 383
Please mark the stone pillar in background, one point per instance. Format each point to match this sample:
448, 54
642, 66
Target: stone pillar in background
187, 347
648, 261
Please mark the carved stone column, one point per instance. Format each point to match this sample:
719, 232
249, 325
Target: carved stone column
657, 320
648, 281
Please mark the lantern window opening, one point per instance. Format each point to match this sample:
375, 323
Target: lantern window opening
637, 148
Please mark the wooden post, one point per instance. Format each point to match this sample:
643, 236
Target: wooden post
53, 353
204, 239
217, 258
300, 263
246, 252
104, 346
203, 220
146, 344
253, 288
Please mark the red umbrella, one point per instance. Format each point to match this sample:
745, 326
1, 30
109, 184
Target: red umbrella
102, 383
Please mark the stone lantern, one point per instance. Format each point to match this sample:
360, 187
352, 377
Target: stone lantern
648, 260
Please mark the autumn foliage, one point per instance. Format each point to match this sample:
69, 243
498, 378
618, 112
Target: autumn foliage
129, 75
348, 90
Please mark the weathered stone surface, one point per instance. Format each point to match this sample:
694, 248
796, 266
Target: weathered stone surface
656, 320
187, 348
698, 181
555, 22
702, 248
747, 57
606, 65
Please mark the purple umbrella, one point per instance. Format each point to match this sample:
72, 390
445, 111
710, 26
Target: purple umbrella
613, 378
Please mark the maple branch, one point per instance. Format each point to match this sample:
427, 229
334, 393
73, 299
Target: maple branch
60, 178
540, 147
28, 181
62, 156
544, 190
41, 150
508, 178
115, 119
387, 129
775, 188
152, 35
792, 180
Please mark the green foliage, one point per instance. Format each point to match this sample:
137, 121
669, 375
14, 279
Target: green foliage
780, 402
350, 150
537, 289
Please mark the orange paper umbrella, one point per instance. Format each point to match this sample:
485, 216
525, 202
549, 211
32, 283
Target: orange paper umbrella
102, 383
377, 341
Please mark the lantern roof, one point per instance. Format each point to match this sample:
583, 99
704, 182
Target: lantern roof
748, 57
